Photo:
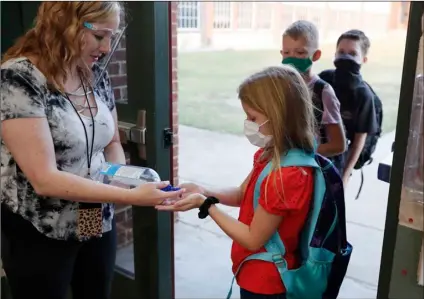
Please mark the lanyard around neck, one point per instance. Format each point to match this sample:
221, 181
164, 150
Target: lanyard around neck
89, 151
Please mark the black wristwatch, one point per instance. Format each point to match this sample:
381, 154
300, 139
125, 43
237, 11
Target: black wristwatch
204, 208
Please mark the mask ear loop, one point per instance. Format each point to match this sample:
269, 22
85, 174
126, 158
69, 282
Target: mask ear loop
263, 123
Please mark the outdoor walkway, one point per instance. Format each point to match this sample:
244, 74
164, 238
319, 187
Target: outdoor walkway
202, 250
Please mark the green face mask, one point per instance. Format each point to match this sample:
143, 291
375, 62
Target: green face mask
301, 64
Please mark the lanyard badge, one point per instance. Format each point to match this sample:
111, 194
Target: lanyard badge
89, 217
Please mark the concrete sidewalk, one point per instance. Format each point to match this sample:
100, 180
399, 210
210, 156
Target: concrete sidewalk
202, 250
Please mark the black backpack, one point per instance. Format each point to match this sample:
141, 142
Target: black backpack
319, 86
371, 142
365, 158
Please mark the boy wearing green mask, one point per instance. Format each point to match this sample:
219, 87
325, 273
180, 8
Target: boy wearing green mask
300, 49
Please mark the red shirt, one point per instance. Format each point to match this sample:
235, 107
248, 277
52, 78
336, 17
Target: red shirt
297, 186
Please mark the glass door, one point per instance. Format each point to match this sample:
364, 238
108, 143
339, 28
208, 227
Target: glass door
141, 78
219, 45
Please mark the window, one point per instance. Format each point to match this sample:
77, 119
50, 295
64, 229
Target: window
263, 15
188, 15
221, 15
245, 15
300, 13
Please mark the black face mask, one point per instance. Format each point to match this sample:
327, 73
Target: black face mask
347, 73
346, 64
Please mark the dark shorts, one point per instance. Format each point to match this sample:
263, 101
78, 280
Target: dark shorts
244, 294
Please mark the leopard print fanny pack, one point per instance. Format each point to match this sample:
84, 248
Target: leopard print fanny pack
89, 221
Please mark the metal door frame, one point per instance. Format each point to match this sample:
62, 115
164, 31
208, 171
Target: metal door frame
149, 83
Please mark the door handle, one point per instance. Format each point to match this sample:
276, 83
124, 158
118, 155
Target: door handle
130, 133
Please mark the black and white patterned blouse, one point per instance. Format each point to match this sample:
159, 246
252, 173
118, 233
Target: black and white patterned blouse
24, 94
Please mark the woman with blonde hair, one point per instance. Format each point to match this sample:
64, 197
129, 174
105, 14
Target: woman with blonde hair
279, 117
58, 126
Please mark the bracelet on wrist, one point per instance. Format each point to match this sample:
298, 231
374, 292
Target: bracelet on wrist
204, 208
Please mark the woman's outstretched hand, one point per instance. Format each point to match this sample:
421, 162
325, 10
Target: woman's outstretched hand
188, 202
149, 194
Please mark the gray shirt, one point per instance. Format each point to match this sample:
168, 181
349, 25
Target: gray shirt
24, 94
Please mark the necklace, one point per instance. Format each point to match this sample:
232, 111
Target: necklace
75, 93
81, 107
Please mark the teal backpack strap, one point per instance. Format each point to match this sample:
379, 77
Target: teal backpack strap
275, 247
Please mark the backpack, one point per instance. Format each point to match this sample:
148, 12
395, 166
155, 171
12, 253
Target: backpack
371, 142
323, 246
365, 158
318, 88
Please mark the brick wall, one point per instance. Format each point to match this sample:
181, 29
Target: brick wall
174, 68
117, 73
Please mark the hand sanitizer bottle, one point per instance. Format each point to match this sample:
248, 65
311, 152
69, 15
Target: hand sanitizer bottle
126, 176
129, 176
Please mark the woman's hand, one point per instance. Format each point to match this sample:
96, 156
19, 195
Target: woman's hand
149, 194
192, 201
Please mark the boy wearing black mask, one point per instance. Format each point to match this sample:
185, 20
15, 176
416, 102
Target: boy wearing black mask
355, 96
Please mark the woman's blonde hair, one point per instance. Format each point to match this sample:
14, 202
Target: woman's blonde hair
281, 94
56, 39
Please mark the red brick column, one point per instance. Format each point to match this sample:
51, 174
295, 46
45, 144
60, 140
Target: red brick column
118, 72
174, 70
174, 104
395, 15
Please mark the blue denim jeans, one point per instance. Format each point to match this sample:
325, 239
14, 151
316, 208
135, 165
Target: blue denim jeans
244, 294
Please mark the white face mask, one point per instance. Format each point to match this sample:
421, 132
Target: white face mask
251, 130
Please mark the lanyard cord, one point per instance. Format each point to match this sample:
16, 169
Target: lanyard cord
89, 152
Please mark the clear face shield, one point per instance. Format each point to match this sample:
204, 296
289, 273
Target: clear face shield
106, 35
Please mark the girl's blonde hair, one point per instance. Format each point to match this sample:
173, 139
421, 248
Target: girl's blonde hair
281, 94
56, 39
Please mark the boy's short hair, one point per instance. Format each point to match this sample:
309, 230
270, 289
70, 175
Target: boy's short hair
357, 35
304, 29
